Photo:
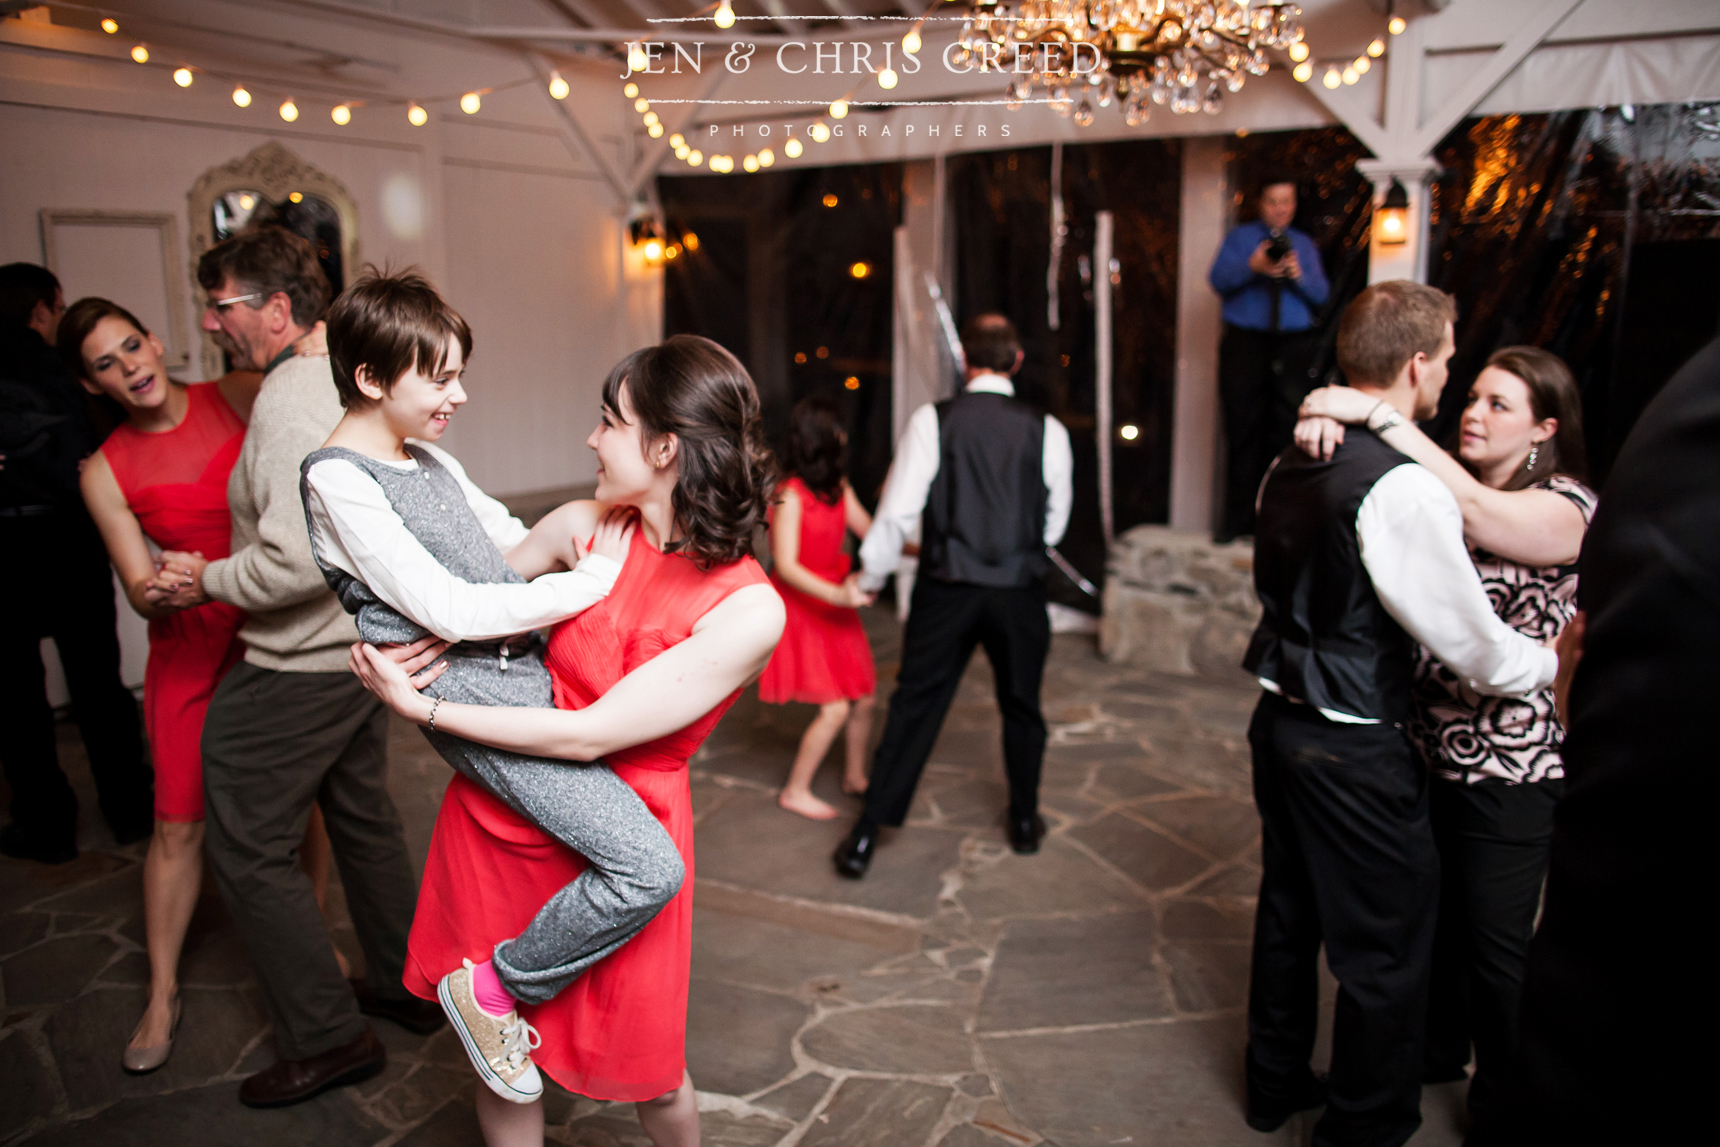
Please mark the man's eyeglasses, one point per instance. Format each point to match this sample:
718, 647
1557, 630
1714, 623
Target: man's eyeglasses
219, 306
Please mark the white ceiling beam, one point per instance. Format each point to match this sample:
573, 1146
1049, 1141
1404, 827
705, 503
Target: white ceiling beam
579, 135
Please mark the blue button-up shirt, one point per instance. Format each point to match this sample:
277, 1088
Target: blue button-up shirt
1248, 296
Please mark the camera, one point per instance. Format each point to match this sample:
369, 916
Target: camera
1279, 247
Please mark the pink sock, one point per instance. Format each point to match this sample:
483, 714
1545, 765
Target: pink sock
488, 991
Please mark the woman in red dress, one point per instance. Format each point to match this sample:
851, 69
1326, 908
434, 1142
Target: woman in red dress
641, 678
161, 477
823, 658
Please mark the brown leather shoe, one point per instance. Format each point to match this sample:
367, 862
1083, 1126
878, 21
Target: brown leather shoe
293, 1081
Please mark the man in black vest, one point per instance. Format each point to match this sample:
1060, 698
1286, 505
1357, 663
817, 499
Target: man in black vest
991, 477
1356, 559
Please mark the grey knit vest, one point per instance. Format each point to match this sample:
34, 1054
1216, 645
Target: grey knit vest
433, 505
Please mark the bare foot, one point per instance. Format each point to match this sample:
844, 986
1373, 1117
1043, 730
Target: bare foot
854, 787
156, 1026
806, 805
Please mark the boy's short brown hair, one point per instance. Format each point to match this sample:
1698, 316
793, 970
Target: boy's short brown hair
1387, 325
390, 323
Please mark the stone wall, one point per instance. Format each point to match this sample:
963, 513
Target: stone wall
1177, 603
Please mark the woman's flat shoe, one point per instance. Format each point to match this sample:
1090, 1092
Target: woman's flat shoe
143, 1060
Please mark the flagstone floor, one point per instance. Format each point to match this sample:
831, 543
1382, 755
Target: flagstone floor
959, 996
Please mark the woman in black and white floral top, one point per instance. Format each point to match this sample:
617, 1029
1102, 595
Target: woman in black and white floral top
1496, 760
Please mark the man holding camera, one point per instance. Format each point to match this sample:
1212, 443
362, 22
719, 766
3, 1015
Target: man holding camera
1269, 275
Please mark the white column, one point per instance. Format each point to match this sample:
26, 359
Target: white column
1406, 260
1103, 224
1194, 417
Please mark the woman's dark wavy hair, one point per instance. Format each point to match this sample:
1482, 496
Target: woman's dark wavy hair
694, 389
817, 447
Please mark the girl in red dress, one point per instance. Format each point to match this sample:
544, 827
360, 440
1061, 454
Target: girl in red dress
640, 678
162, 476
823, 658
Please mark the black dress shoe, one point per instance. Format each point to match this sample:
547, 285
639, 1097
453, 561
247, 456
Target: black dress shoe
854, 855
1269, 1115
21, 845
420, 1017
293, 1081
1025, 834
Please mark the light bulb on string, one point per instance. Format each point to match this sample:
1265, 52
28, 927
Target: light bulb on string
651, 119
289, 110
140, 53
241, 96
416, 115
557, 86
1331, 79
341, 114
682, 151
793, 149
1349, 76
1396, 25
1299, 51
911, 42
183, 77
766, 157
630, 90
838, 109
695, 157
655, 130
641, 104
887, 78
725, 17
677, 140
819, 132
1377, 48
110, 25
636, 59
470, 103
1303, 72
750, 163
1362, 65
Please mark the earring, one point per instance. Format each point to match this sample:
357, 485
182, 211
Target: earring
1534, 453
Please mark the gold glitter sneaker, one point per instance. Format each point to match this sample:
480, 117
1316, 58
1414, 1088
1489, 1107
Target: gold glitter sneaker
500, 1047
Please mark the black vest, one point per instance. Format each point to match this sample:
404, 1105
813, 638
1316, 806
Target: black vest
985, 513
1324, 637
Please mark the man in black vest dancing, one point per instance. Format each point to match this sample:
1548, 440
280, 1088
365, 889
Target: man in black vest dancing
991, 477
1356, 560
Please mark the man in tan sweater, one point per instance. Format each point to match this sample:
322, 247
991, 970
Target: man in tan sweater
291, 725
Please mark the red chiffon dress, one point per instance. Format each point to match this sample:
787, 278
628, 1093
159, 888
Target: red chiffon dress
619, 1032
823, 655
175, 483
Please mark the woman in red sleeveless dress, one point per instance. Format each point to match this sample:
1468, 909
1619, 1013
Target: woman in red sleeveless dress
162, 476
640, 679
823, 658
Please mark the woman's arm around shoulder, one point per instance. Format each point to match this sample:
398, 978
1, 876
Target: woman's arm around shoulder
557, 542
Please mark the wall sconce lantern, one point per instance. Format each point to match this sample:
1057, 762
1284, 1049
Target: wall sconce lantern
647, 237
1393, 228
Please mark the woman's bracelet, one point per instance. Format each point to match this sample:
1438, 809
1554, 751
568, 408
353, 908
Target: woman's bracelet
434, 705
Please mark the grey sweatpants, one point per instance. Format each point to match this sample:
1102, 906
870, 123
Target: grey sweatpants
634, 867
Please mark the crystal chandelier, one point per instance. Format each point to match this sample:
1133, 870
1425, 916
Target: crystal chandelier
1136, 53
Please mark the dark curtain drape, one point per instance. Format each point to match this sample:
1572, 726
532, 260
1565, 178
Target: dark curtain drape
793, 271
1001, 205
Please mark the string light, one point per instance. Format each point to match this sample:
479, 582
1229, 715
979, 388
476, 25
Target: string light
750, 163
470, 103
792, 149
1349, 76
1377, 48
887, 78
655, 131
682, 151
766, 157
1362, 65
1332, 79
838, 109
695, 157
630, 90
820, 132
557, 86
183, 77
1129, 432
651, 119
852, 382
110, 25
416, 116
241, 96
289, 110
725, 17
691, 240
1302, 72
636, 59
140, 54
641, 104
1299, 51
677, 140
1396, 26
911, 42
341, 115
860, 270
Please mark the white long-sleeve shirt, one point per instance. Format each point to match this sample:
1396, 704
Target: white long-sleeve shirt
1410, 530
918, 456
355, 529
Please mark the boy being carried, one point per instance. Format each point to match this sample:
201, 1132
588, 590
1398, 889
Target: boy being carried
418, 553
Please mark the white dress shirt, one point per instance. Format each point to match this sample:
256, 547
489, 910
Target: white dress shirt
1410, 531
355, 529
918, 456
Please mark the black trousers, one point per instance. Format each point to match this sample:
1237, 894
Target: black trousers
272, 744
1348, 861
1262, 379
946, 622
1493, 839
57, 579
